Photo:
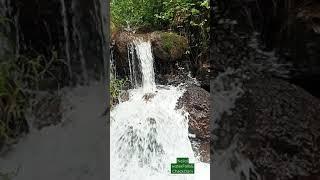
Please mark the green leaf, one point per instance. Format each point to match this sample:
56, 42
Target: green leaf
205, 4
195, 11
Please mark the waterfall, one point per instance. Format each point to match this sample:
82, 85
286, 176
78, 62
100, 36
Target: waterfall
140, 58
5, 28
225, 89
132, 66
103, 26
144, 53
2, 8
66, 35
17, 29
147, 132
77, 39
113, 69
5, 8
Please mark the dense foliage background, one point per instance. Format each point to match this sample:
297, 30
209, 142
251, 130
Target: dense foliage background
160, 14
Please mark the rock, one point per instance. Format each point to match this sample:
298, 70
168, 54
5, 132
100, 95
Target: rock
204, 75
168, 46
202, 150
147, 97
121, 41
196, 102
277, 126
124, 96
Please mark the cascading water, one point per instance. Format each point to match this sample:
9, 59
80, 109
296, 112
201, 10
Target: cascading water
132, 67
145, 56
5, 28
77, 38
66, 35
225, 89
17, 29
147, 133
5, 8
113, 69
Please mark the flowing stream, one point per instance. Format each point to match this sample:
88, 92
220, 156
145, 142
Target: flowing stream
147, 132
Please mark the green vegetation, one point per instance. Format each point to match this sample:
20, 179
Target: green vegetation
189, 18
12, 103
182, 13
9, 175
134, 12
116, 86
18, 75
159, 13
170, 40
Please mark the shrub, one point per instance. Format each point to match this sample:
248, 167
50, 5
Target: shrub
135, 12
159, 13
12, 104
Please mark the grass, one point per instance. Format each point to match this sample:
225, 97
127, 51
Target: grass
8, 176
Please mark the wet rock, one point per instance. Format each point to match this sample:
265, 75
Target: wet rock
202, 150
121, 41
151, 120
147, 97
196, 102
277, 126
204, 75
124, 96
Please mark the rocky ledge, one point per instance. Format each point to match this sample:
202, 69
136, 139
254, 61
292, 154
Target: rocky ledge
196, 101
166, 46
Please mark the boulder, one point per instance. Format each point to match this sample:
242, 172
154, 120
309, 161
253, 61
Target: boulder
168, 46
277, 126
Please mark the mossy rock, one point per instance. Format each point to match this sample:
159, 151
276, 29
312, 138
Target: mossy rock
168, 46
114, 29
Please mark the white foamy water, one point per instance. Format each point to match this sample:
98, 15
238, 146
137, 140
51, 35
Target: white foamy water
73, 150
225, 90
147, 133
